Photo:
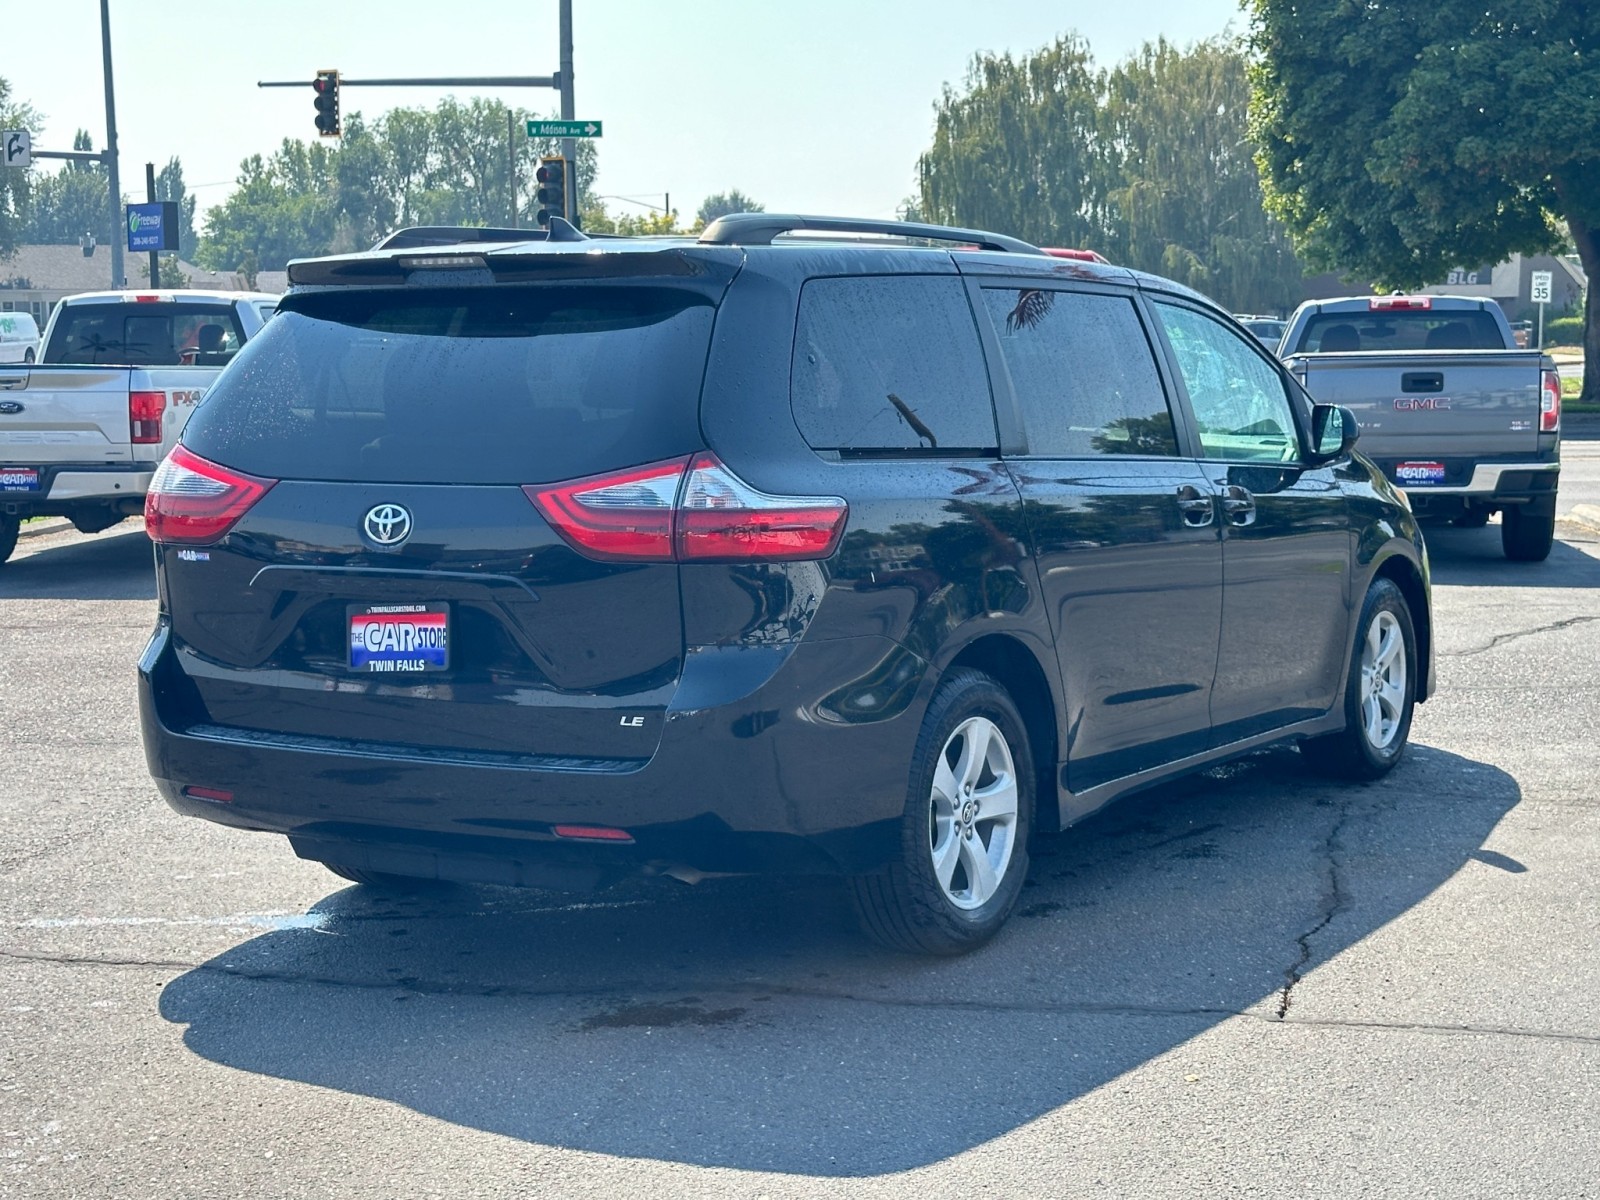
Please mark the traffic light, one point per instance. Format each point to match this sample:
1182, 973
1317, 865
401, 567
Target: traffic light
326, 85
552, 193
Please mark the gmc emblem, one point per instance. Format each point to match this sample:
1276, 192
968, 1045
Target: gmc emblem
1421, 403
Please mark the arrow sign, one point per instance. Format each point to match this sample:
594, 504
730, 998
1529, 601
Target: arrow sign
564, 129
18, 145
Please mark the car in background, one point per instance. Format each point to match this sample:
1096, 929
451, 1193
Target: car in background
559, 560
1267, 330
83, 428
19, 337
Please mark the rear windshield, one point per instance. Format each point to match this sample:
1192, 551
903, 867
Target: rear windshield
502, 385
1416, 329
155, 334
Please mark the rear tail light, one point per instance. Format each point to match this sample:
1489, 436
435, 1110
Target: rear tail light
1549, 402
144, 417
194, 501
1378, 303
688, 511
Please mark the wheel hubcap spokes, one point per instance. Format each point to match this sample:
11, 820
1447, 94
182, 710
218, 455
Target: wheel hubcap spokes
1383, 681
972, 814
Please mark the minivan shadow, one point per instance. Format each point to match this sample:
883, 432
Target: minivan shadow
743, 1023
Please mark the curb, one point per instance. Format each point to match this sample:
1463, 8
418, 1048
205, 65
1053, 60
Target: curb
1586, 515
46, 526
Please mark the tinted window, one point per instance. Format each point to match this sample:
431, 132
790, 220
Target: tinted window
1415, 329
890, 363
482, 385
157, 334
1239, 400
1083, 371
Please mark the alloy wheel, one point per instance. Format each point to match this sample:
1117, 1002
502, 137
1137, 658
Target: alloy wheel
1383, 681
972, 813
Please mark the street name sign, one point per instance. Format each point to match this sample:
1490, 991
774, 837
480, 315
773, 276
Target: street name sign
18, 147
1541, 287
564, 129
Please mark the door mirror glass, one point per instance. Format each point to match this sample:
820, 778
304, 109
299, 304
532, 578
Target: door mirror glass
1333, 430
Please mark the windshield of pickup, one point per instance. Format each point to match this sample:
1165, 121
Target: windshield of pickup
1417, 329
157, 333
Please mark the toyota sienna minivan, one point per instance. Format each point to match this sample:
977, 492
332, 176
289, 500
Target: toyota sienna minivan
811, 545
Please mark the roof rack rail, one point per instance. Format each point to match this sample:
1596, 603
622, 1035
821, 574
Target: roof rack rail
459, 235
758, 229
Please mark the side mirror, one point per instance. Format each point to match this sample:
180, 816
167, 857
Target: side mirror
1333, 431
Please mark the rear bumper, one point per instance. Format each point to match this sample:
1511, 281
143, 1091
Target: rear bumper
806, 772
1522, 479
69, 487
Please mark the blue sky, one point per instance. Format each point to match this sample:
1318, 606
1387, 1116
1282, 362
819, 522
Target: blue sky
821, 107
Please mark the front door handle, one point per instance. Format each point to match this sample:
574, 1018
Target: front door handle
1239, 504
1196, 507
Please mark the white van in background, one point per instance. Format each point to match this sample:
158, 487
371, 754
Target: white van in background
19, 338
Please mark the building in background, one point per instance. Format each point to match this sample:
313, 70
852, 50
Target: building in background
35, 278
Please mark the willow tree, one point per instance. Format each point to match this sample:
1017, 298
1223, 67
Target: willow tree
1016, 150
1400, 140
1185, 194
1148, 164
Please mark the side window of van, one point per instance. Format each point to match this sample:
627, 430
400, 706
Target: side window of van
1084, 373
887, 364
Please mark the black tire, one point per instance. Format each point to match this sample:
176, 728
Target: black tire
1528, 532
905, 906
27, 357
1352, 753
9, 528
383, 881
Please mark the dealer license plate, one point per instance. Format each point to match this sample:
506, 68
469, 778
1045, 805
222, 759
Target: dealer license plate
399, 639
1418, 474
19, 479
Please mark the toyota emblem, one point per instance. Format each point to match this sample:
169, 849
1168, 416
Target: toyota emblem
387, 524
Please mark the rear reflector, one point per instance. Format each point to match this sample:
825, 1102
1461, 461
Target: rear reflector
193, 501
144, 417
205, 793
1382, 302
592, 833
688, 511
1549, 402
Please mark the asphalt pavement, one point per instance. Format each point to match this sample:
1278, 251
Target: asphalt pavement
1252, 982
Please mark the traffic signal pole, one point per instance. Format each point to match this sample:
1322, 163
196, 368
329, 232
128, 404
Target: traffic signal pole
150, 195
110, 156
569, 112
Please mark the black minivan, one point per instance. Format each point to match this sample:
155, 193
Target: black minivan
811, 545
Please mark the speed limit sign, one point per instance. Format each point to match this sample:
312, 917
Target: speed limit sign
1541, 287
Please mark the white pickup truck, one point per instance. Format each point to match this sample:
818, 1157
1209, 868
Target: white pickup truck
83, 429
1451, 410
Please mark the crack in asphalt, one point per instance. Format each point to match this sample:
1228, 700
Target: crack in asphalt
614, 992
1334, 899
1500, 639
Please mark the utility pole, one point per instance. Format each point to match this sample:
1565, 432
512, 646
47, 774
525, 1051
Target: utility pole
117, 233
569, 110
511, 159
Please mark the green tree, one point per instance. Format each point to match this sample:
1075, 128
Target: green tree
1399, 141
720, 204
70, 203
1017, 150
1184, 197
1147, 163
15, 192
448, 165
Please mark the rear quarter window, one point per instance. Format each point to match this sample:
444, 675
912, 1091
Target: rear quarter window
490, 385
887, 364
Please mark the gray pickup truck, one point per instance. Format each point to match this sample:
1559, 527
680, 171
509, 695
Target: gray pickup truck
1467, 424
83, 429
